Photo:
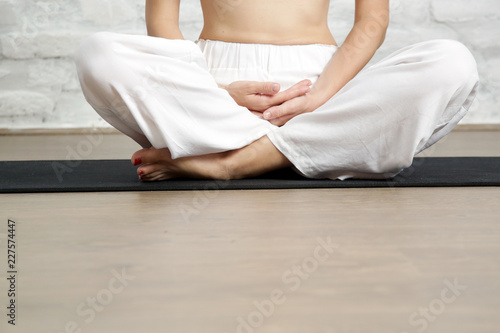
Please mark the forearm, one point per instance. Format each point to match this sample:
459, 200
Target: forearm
164, 30
365, 38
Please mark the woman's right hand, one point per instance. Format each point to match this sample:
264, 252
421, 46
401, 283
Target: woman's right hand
260, 96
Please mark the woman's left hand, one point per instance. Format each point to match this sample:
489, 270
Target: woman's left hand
280, 114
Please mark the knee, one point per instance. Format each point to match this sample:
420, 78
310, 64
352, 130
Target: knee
454, 63
95, 54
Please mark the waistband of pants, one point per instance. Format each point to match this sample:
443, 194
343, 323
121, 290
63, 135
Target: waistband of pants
285, 64
220, 54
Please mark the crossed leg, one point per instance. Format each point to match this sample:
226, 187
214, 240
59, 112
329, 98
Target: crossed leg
370, 129
257, 158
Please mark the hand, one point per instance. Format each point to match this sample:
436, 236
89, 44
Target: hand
280, 114
260, 96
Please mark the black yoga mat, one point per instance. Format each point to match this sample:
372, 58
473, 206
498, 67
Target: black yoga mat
120, 175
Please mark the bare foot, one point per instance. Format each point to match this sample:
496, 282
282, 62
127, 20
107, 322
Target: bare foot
252, 160
157, 164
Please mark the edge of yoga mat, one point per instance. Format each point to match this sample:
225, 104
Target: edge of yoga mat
120, 175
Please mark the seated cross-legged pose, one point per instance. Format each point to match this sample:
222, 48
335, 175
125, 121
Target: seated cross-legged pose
266, 86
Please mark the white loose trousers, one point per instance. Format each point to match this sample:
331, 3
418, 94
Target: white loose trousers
165, 93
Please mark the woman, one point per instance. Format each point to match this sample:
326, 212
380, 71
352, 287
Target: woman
267, 87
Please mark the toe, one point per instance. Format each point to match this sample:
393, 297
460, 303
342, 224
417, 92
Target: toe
156, 171
151, 155
138, 156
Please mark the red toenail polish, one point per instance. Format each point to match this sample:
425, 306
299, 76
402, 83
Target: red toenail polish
137, 161
141, 173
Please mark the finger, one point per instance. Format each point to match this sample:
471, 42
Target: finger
274, 112
265, 88
296, 90
301, 83
289, 108
282, 116
257, 102
279, 121
306, 82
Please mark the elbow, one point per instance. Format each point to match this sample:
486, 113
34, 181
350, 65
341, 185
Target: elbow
380, 31
380, 23
384, 25
382, 37
375, 25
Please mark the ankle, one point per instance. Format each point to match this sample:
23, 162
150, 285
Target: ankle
221, 168
253, 160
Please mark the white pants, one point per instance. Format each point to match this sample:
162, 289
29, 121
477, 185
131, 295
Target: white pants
164, 93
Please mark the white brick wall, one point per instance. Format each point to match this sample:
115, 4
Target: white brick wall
39, 87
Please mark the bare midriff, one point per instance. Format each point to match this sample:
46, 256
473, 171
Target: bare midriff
282, 22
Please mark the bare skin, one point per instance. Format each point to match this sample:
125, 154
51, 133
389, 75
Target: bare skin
284, 22
269, 22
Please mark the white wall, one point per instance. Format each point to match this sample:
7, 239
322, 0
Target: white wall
39, 87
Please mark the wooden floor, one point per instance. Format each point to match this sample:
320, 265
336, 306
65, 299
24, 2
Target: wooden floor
305, 261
